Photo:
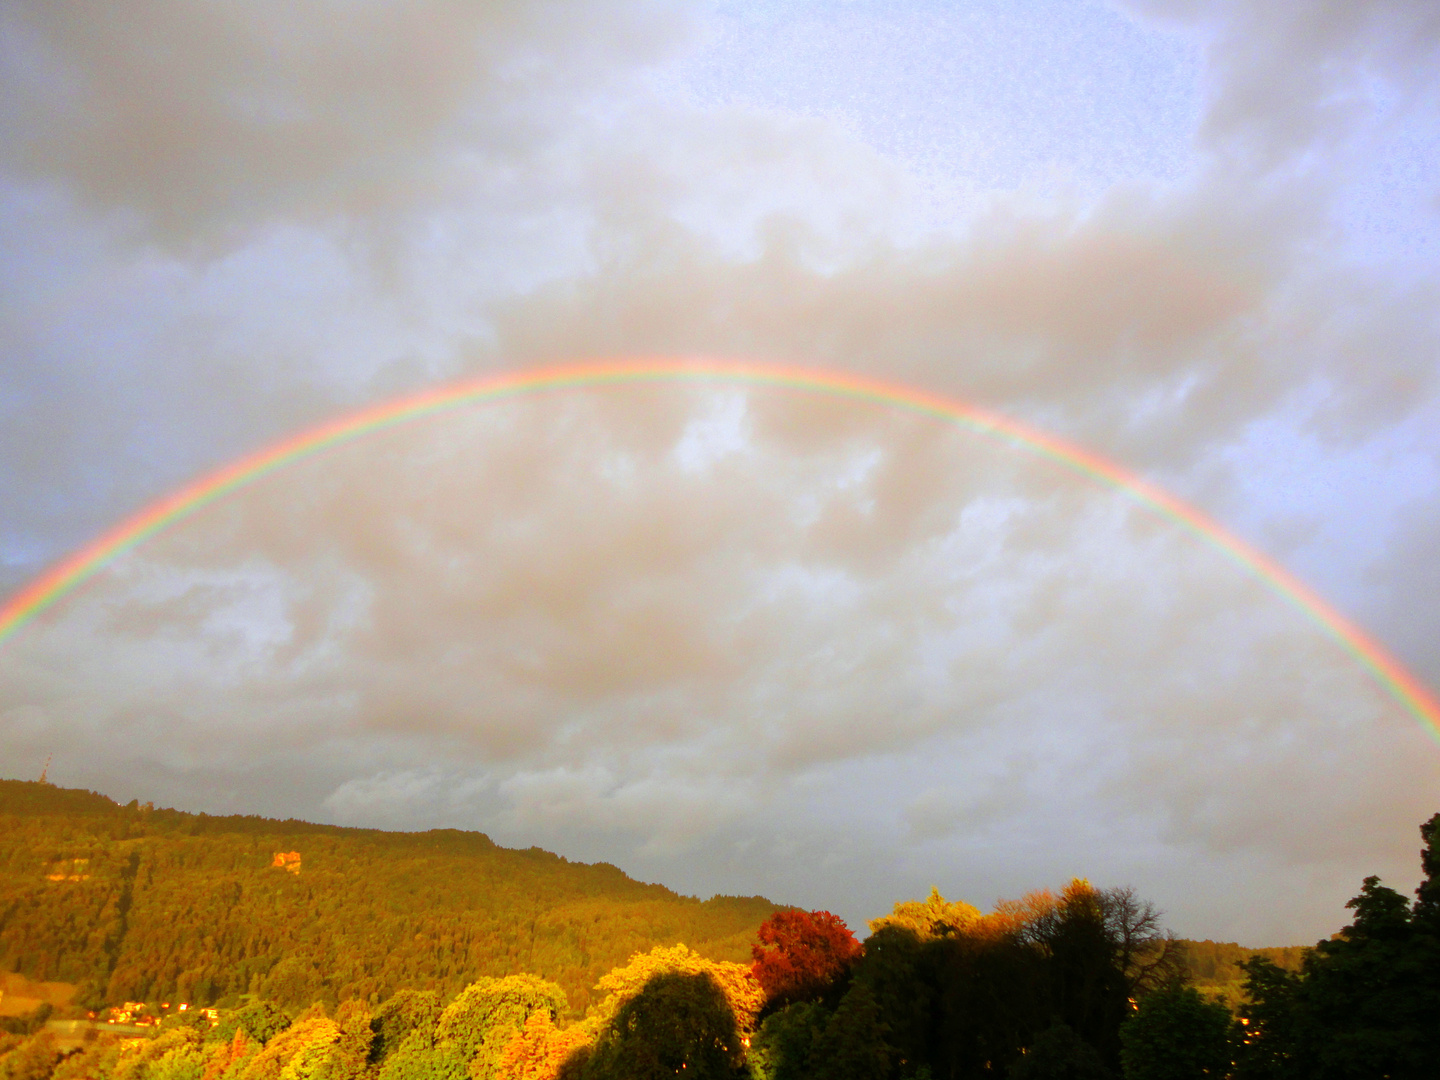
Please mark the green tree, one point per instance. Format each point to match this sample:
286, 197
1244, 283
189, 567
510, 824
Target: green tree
1175, 1034
419, 1057
185, 1061
1275, 1045
904, 974
1427, 896
1059, 1054
337, 1050
295, 982
1364, 1003
1363, 998
676, 1022
784, 1048
33, 1059
479, 1024
401, 1014
261, 1020
853, 1046
1087, 986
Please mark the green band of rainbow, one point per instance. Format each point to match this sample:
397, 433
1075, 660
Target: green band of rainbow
71, 572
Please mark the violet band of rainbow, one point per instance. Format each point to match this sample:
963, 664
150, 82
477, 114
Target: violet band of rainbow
72, 571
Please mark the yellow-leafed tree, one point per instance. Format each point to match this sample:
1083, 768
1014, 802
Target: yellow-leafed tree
929, 918
741, 991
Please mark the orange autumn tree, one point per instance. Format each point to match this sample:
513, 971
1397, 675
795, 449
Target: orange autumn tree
540, 1049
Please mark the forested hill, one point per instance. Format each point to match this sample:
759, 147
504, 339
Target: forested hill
135, 903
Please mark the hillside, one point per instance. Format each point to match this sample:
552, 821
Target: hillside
1214, 966
135, 903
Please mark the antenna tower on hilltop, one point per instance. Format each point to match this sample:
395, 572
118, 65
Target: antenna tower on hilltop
45, 772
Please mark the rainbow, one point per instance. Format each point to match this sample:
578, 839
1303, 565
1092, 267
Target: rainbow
67, 575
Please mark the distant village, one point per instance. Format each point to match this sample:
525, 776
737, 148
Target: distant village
138, 1014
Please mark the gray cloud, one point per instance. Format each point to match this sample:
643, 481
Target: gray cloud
735, 640
206, 118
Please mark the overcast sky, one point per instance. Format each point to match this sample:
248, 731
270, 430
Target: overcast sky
741, 640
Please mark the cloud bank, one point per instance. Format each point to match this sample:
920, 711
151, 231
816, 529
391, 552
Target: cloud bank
739, 640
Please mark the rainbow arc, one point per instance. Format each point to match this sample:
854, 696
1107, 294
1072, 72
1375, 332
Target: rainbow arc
71, 572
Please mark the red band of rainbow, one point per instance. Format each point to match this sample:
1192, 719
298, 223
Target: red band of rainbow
72, 571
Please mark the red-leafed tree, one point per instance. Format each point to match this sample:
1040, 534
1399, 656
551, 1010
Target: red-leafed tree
801, 954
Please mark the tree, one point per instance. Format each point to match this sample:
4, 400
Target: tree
541, 1051
1149, 955
295, 982
310, 1031
401, 1014
261, 1021
995, 992
1274, 1045
1175, 1034
478, 1025
904, 974
1362, 998
230, 1055
34, 1059
853, 1046
185, 1061
1364, 1002
799, 955
1427, 896
676, 1022
1084, 980
468, 1039
742, 993
929, 918
337, 1051
785, 1048
419, 1057
1059, 1054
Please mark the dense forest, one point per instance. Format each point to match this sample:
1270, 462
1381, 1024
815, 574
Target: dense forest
1079, 983
135, 903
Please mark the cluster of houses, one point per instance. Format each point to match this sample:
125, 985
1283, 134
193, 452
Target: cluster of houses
138, 1014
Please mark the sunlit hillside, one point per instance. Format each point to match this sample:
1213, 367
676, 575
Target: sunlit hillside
134, 903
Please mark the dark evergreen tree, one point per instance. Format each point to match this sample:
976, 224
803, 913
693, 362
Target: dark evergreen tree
853, 1046
785, 1046
1366, 1003
1086, 983
1275, 1044
1059, 1054
1175, 1034
1427, 896
994, 998
1361, 999
903, 976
